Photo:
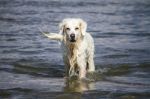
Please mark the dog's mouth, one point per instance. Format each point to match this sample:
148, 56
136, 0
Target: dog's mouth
72, 40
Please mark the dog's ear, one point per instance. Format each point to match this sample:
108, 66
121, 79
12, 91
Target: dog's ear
83, 26
61, 27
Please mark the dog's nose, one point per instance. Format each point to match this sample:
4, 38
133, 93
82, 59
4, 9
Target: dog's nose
72, 35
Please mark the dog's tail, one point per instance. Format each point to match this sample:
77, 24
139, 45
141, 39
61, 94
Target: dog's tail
52, 36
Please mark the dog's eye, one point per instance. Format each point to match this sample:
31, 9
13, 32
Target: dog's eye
67, 28
76, 28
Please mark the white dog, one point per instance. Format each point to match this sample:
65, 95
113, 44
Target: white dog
77, 46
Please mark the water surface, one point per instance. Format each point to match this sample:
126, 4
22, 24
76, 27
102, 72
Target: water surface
31, 66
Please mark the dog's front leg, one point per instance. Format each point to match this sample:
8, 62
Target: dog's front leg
82, 67
82, 72
67, 66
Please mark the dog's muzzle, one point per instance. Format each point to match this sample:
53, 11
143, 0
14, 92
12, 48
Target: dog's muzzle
72, 38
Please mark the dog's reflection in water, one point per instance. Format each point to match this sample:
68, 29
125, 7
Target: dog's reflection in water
74, 87
73, 84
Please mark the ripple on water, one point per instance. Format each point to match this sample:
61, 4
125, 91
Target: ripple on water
31, 66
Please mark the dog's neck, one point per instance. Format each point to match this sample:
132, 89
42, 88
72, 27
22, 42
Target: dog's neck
72, 49
72, 46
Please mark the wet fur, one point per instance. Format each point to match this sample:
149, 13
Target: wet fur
78, 56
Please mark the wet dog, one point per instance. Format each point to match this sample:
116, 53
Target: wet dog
77, 46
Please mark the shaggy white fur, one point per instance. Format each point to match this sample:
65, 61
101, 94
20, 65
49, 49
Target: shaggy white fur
77, 46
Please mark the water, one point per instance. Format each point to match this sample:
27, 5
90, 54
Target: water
31, 65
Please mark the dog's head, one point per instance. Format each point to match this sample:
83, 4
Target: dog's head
73, 29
